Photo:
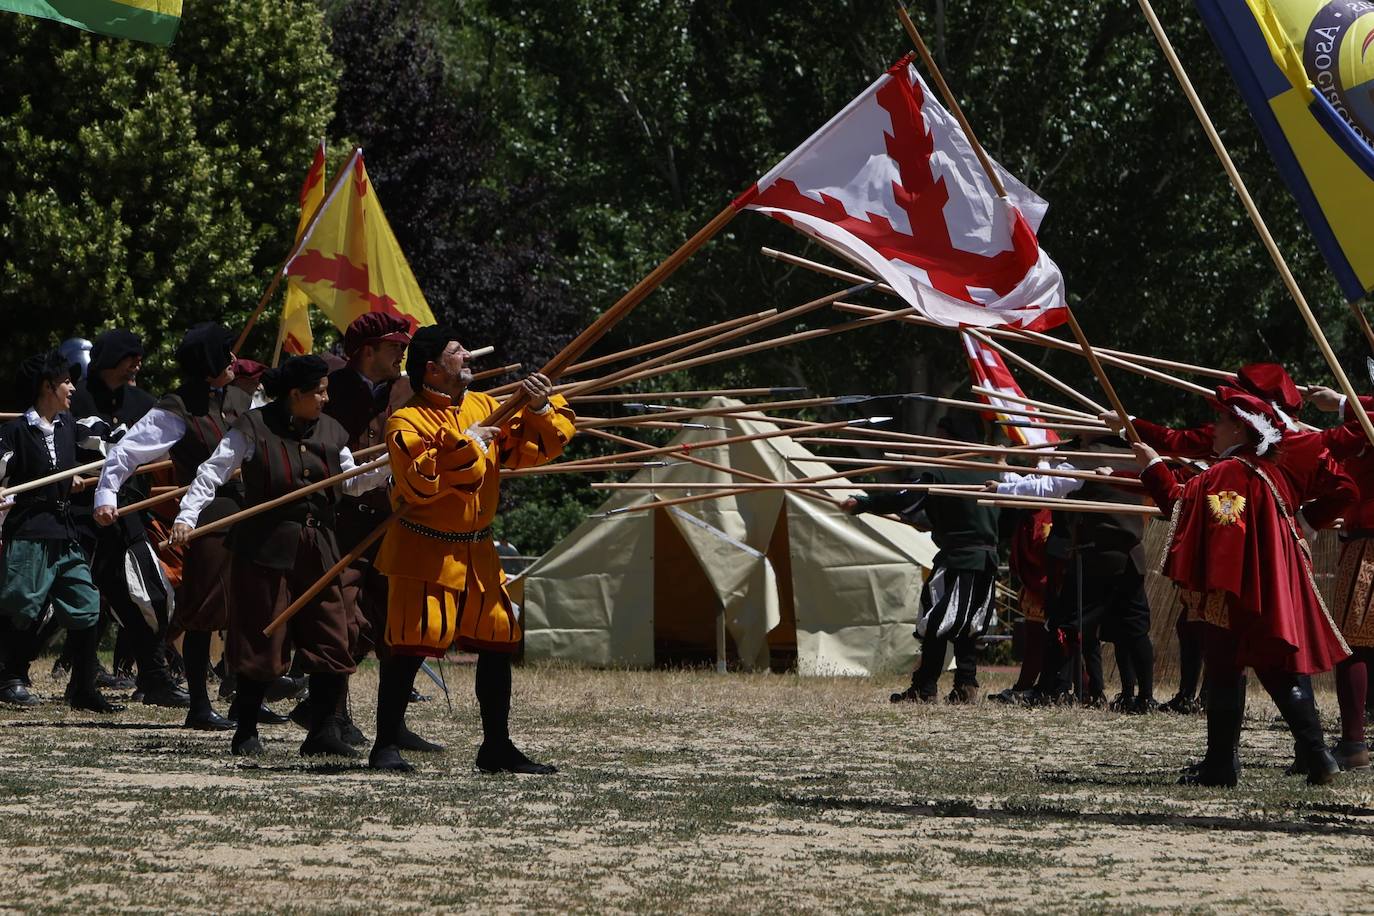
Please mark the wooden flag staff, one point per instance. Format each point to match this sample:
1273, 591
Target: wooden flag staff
996, 180
1289, 281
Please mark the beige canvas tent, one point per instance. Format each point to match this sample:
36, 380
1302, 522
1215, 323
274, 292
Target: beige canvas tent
780, 573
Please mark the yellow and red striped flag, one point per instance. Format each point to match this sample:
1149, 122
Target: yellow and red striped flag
348, 260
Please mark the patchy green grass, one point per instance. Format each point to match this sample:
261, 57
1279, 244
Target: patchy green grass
680, 791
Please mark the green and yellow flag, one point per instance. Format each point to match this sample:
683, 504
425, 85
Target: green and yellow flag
154, 21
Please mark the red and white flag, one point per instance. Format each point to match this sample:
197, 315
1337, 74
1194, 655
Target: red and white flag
989, 371
893, 184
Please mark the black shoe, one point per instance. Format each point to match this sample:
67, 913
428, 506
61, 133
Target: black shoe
912, 695
351, 734
1142, 706
104, 680
248, 747
17, 695
1095, 701
407, 740
209, 721
1182, 705
1121, 703
418, 697
285, 688
388, 758
1210, 773
506, 758
324, 741
92, 701
269, 716
1322, 768
169, 696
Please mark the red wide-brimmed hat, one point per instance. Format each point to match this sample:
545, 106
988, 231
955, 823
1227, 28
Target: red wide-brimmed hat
1272, 384
1259, 415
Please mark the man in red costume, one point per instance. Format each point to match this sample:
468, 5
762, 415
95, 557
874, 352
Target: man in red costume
1237, 553
1354, 598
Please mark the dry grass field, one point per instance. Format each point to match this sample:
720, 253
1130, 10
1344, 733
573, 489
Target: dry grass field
680, 791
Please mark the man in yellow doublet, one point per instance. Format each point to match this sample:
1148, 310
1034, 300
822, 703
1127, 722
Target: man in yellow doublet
445, 578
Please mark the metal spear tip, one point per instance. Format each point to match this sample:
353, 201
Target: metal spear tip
870, 421
1369, 367
860, 287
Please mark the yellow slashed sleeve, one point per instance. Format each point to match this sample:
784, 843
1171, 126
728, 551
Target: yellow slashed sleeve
532, 439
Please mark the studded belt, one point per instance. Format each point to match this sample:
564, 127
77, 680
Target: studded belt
456, 537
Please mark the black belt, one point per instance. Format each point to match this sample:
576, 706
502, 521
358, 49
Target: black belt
457, 537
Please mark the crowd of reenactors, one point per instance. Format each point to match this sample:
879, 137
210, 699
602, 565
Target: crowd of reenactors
159, 539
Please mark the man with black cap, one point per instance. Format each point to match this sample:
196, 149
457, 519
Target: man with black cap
188, 423
362, 395
43, 563
957, 598
279, 553
125, 568
446, 582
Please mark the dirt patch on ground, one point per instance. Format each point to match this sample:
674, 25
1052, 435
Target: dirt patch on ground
679, 791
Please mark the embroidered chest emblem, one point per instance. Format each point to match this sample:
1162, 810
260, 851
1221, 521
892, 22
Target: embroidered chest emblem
1227, 506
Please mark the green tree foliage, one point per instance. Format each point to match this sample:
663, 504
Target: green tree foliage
151, 188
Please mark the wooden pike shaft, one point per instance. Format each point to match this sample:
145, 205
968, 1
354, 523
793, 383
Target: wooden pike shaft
584, 341
682, 395
1357, 308
561, 468
1031, 402
675, 340
42, 482
801, 485
761, 345
962, 448
688, 448
709, 465
1121, 360
1012, 411
645, 368
688, 413
498, 371
1070, 505
251, 511
1313, 326
1039, 373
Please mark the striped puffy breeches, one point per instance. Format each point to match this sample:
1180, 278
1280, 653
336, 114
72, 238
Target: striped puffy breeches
425, 618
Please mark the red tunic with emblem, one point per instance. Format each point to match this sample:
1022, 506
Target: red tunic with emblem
1320, 486
1029, 562
1350, 447
1235, 551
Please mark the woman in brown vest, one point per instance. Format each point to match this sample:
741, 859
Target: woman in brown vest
278, 554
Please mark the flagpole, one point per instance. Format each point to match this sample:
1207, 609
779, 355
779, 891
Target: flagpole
295, 249
958, 112
1313, 326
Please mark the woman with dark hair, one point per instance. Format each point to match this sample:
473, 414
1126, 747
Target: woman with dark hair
43, 563
278, 554
188, 423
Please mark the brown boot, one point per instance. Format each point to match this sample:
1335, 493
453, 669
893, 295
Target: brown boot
1351, 755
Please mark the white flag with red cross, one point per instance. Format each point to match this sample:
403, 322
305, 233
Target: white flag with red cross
989, 371
893, 184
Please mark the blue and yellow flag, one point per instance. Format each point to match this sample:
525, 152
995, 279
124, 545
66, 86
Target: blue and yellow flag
154, 21
1306, 70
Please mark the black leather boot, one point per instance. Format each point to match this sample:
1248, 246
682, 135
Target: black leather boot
1293, 696
498, 754
1225, 718
81, 690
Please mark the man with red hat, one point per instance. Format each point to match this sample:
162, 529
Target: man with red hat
1238, 555
362, 396
1354, 596
1320, 487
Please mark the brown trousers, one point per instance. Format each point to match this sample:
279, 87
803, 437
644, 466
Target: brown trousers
319, 633
202, 603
